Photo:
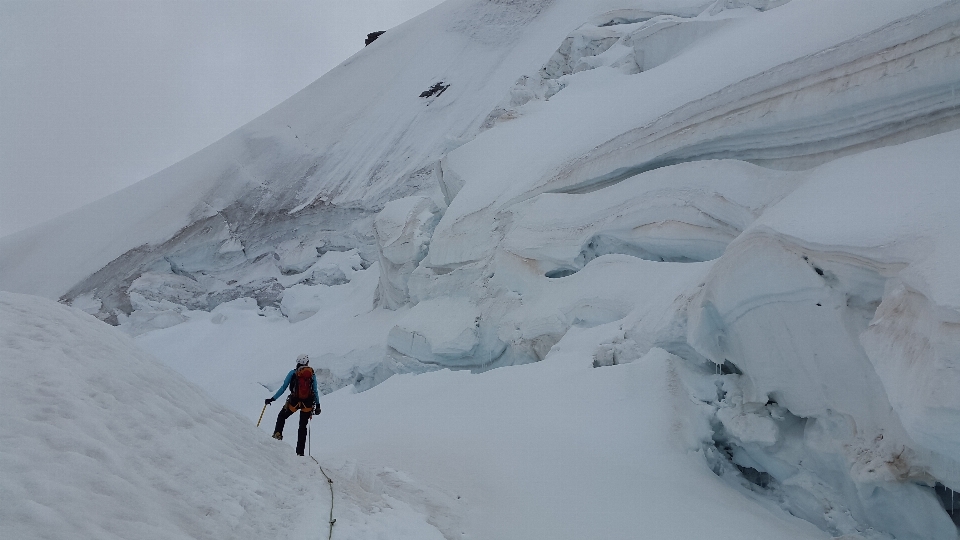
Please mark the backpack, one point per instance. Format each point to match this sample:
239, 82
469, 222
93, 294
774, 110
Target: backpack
301, 384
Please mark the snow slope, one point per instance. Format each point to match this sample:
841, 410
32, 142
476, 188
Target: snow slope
101, 441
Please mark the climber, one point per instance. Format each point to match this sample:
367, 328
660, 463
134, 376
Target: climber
303, 397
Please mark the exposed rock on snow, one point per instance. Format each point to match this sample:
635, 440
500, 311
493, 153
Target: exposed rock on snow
435, 90
372, 36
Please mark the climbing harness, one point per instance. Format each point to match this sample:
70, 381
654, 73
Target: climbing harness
261, 414
329, 481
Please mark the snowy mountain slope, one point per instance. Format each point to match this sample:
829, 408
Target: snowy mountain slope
768, 195
336, 165
785, 107
101, 441
335, 152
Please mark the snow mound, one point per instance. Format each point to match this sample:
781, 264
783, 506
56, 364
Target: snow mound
101, 441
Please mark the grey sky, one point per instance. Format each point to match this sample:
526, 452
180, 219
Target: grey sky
98, 94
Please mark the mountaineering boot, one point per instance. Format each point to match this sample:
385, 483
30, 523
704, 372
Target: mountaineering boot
285, 413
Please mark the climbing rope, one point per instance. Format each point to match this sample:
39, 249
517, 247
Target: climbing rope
329, 481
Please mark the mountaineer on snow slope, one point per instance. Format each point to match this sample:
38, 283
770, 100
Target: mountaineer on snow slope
304, 397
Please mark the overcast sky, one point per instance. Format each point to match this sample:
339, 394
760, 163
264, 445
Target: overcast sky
98, 94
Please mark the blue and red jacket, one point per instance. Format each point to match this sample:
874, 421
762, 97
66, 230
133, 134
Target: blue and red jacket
286, 383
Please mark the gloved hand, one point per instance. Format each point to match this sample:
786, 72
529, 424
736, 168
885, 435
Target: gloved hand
316, 409
268, 401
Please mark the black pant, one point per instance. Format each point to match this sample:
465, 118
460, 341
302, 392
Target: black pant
306, 411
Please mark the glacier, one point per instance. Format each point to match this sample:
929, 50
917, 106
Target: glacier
739, 217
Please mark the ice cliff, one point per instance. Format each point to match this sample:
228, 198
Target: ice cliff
767, 190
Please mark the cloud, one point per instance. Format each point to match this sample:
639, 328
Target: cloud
99, 94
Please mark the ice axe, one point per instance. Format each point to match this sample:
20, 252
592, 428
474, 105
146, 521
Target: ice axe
261, 413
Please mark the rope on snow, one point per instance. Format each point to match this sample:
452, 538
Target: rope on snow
329, 481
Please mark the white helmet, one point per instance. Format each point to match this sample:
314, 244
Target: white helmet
303, 360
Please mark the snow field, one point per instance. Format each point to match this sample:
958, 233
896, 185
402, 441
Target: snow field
555, 449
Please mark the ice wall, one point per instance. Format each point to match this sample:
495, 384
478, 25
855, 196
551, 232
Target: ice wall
832, 308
